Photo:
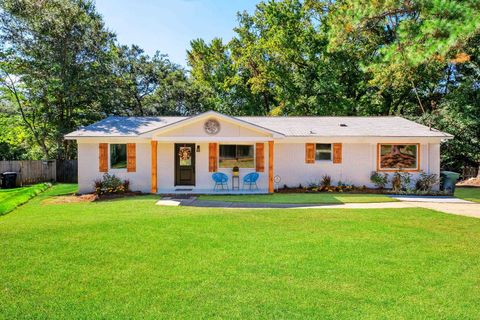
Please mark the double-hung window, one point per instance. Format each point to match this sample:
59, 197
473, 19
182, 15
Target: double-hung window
118, 156
323, 151
400, 156
231, 155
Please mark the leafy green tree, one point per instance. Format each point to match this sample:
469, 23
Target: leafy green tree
423, 60
54, 66
144, 85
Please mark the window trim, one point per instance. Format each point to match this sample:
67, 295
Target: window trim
110, 158
237, 144
416, 169
331, 153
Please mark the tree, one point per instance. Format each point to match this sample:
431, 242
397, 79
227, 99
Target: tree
145, 86
417, 59
423, 58
54, 66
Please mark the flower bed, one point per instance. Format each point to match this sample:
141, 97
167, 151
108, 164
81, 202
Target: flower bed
401, 182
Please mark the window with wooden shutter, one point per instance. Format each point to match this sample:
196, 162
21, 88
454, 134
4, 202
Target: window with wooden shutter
103, 157
260, 157
337, 153
212, 157
131, 157
310, 153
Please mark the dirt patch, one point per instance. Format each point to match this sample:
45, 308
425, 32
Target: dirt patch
472, 182
71, 199
90, 197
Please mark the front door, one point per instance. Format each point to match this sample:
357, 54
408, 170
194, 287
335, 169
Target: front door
184, 164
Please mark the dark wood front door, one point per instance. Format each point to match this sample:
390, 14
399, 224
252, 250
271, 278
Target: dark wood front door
184, 164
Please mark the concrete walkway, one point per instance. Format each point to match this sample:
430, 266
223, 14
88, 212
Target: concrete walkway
441, 199
446, 205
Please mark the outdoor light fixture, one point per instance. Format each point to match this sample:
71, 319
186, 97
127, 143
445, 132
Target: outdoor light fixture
198, 148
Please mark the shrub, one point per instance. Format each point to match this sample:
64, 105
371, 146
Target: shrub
397, 182
326, 181
110, 184
406, 181
380, 180
426, 181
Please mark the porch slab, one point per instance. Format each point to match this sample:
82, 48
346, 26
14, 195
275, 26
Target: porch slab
173, 192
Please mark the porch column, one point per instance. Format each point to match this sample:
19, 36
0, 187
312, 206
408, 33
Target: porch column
270, 166
154, 165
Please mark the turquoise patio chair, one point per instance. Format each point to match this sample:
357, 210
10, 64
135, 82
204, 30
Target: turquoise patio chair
221, 180
250, 181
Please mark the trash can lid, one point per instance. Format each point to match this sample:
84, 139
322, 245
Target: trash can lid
9, 173
451, 174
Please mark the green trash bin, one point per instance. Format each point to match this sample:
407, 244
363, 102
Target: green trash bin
449, 179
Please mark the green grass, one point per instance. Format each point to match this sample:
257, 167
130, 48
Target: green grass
319, 198
131, 259
12, 198
470, 194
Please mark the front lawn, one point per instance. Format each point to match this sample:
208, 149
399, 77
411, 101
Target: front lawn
128, 258
292, 198
12, 198
470, 194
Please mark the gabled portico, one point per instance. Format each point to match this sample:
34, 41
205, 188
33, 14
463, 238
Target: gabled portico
187, 153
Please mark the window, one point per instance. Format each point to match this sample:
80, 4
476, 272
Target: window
323, 151
398, 157
232, 155
118, 156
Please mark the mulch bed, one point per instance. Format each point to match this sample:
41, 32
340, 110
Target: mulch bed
361, 191
90, 197
472, 182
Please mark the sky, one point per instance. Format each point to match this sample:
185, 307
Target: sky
169, 26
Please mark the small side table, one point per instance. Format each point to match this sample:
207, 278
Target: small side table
235, 185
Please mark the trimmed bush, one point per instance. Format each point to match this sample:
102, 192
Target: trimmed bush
380, 180
426, 181
110, 184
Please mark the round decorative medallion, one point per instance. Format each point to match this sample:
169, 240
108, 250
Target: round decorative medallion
211, 126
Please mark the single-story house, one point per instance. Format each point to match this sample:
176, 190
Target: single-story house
180, 154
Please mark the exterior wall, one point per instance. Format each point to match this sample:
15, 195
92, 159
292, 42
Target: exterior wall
227, 129
88, 171
359, 160
203, 178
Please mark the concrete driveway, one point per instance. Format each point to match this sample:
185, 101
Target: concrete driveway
443, 204
469, 209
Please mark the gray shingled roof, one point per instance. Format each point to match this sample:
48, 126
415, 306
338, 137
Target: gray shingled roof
123, 126
345, 126
288, 126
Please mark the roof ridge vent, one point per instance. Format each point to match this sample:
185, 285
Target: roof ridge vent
343, 125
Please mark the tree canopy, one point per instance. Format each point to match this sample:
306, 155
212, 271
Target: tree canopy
60, 67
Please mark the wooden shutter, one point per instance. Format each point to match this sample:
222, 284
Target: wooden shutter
309, 152
212, 157
260, 157
337, 153
131, 157
103, 157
